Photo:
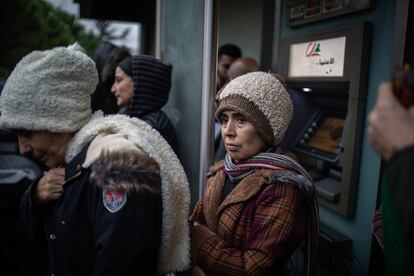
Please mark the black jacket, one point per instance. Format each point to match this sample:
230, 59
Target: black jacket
19, 255
93, 230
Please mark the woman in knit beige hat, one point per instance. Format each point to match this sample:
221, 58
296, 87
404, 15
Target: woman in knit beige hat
259, 203
116, 199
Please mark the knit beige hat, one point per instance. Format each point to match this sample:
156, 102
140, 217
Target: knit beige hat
49, 90
263, 100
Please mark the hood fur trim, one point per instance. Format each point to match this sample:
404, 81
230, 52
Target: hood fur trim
175, 241
127, 170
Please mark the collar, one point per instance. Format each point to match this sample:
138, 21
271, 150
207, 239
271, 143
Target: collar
248, 188
75, 165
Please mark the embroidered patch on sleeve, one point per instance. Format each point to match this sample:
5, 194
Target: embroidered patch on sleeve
113, 200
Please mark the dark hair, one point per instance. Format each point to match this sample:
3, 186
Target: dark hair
126, 66
107, 56
229, 50
101, 54
117, 54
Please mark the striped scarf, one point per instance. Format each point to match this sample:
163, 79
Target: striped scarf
295, 175
265, 160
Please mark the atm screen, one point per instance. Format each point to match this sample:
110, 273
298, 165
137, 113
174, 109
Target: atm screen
328, 136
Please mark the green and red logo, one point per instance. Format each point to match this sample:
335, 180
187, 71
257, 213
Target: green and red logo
313, 49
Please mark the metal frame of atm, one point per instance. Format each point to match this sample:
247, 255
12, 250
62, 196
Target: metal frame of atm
355, 79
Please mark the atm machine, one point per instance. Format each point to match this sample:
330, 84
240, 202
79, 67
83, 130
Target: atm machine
326, 75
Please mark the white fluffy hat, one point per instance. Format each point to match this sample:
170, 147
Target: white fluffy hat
49, 90
263, 99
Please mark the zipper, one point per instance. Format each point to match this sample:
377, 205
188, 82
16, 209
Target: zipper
72, 177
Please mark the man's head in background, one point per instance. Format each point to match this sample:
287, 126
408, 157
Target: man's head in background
226, 55
242, 66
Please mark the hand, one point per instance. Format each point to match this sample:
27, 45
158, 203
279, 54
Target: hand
50, 186
391, 126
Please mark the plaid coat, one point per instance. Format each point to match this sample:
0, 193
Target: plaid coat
254, 231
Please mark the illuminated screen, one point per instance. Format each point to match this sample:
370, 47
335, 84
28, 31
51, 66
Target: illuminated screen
319, 58
329, 134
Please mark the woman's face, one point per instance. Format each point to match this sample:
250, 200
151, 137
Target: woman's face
240, 136
49, 148
123, 88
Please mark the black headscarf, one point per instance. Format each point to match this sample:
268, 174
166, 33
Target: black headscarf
152, 83
126, 66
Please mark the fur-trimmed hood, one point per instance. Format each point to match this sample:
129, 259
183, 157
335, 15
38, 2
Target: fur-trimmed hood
175, 241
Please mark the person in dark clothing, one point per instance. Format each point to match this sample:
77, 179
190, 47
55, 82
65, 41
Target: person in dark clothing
115, 199
226, 55
19, 255
130, 216
142, 86
391, 134
106, 57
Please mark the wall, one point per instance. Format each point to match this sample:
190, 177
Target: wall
182, 45
240, 23
359, 227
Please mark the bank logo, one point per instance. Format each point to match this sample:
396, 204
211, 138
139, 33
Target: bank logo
313, 49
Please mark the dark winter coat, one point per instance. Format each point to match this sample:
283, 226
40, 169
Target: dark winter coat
106, 222
19, 255
125, 204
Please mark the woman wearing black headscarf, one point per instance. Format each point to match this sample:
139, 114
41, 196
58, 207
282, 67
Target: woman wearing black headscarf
142, 85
